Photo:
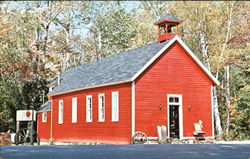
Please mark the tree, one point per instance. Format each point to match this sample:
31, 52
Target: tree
22, 77
110, 30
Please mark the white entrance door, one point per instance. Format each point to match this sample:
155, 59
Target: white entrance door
175, 116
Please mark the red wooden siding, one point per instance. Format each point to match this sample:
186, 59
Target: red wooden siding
104, 132
43, 128
173, 73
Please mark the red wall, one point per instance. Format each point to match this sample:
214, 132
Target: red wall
43, 128
173, 73
104, 132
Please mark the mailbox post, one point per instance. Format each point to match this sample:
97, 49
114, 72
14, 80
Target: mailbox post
17, 126
32, 125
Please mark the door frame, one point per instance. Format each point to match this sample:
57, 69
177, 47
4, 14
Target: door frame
180, 113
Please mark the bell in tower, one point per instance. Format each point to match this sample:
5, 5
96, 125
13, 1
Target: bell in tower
167, 27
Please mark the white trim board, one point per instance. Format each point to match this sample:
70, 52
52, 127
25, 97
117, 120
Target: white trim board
51, 121
212, 108
133, 109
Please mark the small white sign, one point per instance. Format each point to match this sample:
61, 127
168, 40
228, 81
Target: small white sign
25, 115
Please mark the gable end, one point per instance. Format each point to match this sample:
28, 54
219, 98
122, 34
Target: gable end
192, 55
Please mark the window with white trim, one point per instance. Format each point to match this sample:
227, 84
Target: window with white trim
44, 117
101, 108
74, 110
115, 106
173, 100
89, 108
60, 112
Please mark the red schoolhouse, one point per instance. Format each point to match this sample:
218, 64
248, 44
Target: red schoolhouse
107, 101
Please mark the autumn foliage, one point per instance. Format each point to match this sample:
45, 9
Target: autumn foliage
41, 38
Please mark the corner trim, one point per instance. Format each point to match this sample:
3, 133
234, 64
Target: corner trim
212, 108
133, 109
51, 120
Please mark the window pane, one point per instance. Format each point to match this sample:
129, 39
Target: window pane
101, 114
176, 100
44, 117
115, 106
171, 99
162, 30
60, 112
74, 110
89, 108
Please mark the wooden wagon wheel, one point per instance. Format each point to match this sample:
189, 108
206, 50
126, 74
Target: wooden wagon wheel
140, 138
23, 137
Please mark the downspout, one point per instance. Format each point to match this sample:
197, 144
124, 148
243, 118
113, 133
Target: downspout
51, 115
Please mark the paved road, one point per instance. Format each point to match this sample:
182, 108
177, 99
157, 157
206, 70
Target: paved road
204, 151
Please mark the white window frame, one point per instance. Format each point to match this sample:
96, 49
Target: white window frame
100, 104
44, 117
89, 111
60, 111
115, 118
180, 112
74, 110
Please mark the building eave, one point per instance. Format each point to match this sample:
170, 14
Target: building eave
42, 111
90, 87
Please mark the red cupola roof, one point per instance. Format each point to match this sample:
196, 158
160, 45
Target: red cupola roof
165, 27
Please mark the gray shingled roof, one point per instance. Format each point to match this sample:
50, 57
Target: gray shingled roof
119, 67
45, 107
167, 17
